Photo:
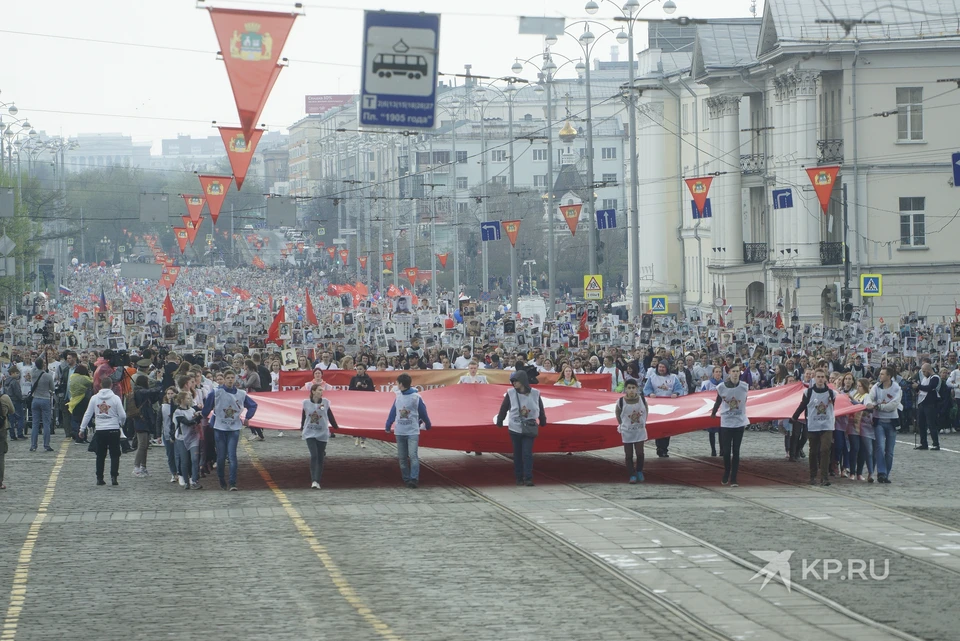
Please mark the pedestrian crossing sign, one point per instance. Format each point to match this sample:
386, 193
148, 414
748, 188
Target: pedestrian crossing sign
592, 287
871, 285
658, 305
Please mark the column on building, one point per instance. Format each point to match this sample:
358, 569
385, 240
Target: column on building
653, 193
777, 217
794, 240
809, 211
725, 191
717, 192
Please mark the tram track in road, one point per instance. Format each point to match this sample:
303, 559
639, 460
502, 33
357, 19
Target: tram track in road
696, 623
733, 495
726, 554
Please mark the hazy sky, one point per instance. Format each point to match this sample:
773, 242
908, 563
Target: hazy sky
66, 84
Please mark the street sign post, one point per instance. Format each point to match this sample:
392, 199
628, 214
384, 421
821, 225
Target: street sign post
606, 219
871, 285
398, 84
592, 287
490, 230
956, 169
783, 198
658, 305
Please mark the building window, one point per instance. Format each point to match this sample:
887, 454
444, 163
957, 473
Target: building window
500, 180
463, 208
540, 154
423, 158
609, 179
912, 227
608, 153
461, 182
498, 155
609, 203
441, 157
461, 157
909, 113
540, 180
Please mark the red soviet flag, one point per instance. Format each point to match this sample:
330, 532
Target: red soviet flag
251, 43
311, 315
273, 334
167, 307
239, 152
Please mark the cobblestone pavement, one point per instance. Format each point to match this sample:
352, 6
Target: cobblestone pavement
468, 555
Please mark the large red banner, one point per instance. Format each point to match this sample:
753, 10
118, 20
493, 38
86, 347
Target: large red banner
427, 378
251, 43
577, 419
239, 151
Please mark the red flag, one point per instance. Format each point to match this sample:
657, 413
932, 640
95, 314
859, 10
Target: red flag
333, 252
344, 255
136, 298
215, 188
699, 188
583, 332
388, 260
443, 259
779, 321
182, 237
823, 179
77, 310
167, 307
273, 334
194, 206
311, 316
363, 262
238, 151
411, 274
250, 43
571, 213
512, 228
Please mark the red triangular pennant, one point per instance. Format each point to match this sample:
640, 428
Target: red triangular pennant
571, 213
215, 189
411, 274
443, 259
363, 262
333, 252
182, 237
238, 151
250, 43
512, 228
194, 205
699, 188
388, 260
344, 255
823, 179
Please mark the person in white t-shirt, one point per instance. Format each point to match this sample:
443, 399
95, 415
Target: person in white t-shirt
471, 376
463, 361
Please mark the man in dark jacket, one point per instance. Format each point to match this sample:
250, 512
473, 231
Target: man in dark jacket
266, 381
928, 406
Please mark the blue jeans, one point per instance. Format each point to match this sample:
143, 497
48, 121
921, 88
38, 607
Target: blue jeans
883, 446
866, 454
408, 449
522, 456
227, 447
189, 463
840, 453
42, 413
173, 459
17, 418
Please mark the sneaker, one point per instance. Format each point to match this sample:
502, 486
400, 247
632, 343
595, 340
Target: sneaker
528, 482
173, 478
845, 473
187, 486
886, 480
734, 484
223, 486
414, 484
48, 449
279, 433
363, 445
114, 481
639, 477
356, 441
803, 454
725, 479
181, 481
136, 471
261, 438
859, 477
144, 472
880, 478
935, 448
315, 485
921, 447
825, 482
101, 482
195, 486
632, 480
813, 481
233, 488
869, 479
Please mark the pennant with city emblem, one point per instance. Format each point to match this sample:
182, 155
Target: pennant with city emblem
215, 189
512, 228
238, 151
571, 213
194, 206
699, 188
823, 179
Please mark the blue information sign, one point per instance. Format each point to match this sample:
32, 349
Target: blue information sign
399, 77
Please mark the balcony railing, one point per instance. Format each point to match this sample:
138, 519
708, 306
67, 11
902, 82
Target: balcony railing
829, 151
754, 252
752, 164
831, 253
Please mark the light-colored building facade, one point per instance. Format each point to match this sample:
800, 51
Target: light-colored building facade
764, 100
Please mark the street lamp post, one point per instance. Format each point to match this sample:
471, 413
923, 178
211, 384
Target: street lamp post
630, 14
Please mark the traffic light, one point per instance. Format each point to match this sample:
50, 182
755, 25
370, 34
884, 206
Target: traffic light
847, 311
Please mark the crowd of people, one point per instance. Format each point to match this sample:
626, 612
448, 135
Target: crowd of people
182, 384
